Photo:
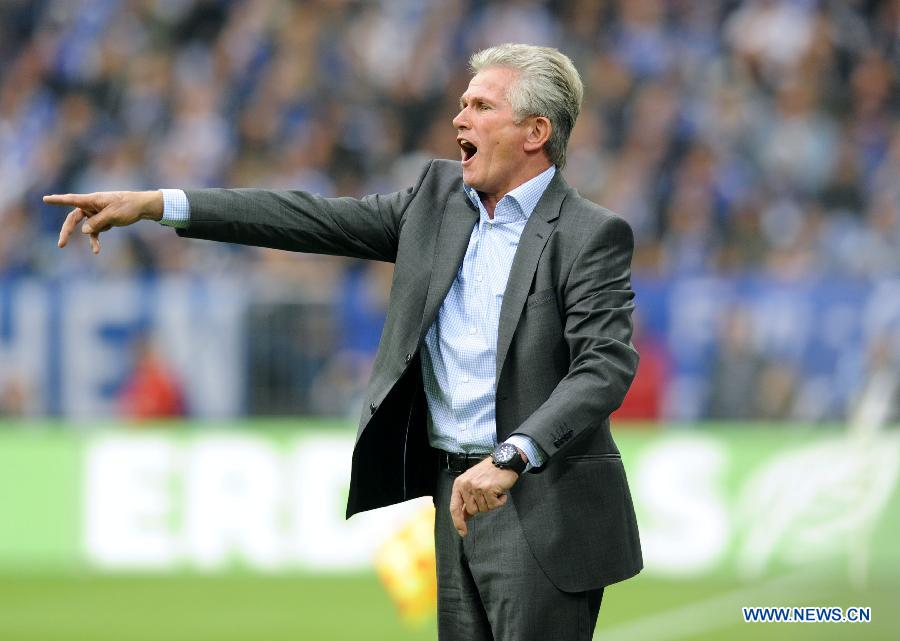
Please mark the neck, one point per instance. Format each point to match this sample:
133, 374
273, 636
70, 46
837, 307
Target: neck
490, 200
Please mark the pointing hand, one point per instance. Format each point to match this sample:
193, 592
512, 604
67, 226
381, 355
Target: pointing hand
100, 211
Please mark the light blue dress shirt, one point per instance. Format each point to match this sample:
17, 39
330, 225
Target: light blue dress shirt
459, 359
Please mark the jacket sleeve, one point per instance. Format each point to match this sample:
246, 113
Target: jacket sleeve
300, 221
598, 302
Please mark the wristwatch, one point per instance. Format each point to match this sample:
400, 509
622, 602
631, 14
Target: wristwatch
506, 456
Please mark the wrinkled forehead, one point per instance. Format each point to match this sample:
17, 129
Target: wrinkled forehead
490, 85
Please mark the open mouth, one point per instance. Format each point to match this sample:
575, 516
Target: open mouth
468, 150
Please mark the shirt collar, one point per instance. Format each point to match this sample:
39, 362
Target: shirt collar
526, 195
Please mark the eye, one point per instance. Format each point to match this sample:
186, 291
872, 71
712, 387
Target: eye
483, 107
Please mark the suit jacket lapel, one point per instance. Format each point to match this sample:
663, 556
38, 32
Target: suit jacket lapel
531, 244
457, 223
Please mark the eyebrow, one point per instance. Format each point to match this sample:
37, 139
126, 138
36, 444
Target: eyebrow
476, 98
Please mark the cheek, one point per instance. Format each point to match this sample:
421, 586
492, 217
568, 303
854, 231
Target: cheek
503, 152
496, 149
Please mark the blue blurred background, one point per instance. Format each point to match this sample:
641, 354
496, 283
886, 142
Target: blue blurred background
754, 147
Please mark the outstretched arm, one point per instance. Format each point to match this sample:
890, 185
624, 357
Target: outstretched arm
293, 220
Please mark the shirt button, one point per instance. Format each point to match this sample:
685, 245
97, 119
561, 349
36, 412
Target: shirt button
465, 379
471, 330
408, 358
463, 428
479, 278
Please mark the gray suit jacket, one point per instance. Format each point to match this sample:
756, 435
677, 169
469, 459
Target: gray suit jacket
564, 353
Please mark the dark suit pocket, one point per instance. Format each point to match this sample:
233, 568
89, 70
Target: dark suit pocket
588, 458
541, 297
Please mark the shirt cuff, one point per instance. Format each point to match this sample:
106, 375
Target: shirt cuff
176, 208
533, 451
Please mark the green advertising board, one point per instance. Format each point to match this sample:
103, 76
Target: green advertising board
731, 503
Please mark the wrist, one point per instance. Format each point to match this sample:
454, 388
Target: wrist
529, 448
152, 205
522, 454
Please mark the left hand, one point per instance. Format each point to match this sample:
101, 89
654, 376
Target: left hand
479, 489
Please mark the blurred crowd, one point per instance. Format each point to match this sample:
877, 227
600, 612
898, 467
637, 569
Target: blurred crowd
735, 137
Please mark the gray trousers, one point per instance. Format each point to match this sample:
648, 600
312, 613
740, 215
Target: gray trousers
490, 588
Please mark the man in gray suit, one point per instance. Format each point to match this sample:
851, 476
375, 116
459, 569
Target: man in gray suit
507, 345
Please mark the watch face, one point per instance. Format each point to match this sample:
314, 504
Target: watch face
505, 453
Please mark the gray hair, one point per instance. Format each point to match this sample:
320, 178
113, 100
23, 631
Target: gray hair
547, 84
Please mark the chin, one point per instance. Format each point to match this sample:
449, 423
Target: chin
472, 178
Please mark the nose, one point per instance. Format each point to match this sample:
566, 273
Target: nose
460, 122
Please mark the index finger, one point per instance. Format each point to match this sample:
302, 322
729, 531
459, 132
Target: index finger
456, 513
71, 200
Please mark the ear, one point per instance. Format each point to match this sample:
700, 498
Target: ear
538, 133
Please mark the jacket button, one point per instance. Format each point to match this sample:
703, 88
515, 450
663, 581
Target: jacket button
373, 407
408, 358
